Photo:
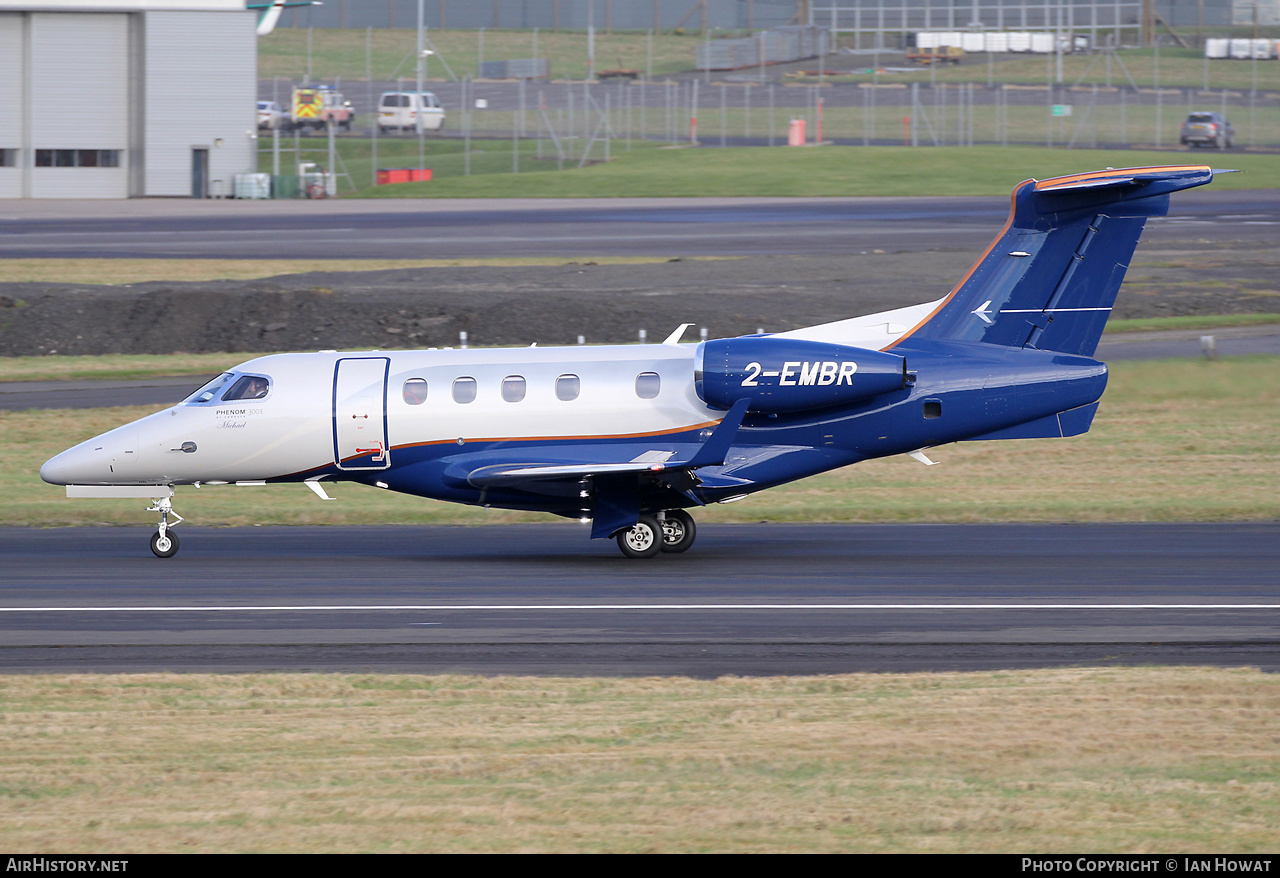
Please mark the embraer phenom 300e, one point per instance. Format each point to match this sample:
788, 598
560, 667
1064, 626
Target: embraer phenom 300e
629, 437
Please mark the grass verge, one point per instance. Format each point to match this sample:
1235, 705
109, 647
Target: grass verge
133, 271
348, 56
819, 172
1173, 441
1117, 760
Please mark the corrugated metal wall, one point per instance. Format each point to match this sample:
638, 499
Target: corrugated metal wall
112, 104
200, 93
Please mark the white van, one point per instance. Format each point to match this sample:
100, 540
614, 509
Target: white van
400, 109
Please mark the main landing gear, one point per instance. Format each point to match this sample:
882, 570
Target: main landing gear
164, 542
669, 531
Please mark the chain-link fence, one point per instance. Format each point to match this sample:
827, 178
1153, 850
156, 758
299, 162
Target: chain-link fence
497, 126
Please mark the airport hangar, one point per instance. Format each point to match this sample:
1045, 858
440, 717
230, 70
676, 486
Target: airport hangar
111, 99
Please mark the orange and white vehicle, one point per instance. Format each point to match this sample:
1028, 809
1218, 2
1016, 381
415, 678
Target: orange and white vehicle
315, 106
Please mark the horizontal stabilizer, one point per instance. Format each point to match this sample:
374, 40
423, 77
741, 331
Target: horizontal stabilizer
1068, 423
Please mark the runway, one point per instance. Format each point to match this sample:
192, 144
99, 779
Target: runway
455, 228
747, 599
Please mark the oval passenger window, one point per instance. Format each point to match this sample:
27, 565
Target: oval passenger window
647, 385
415, 391
513, 388
464, 390
568, 387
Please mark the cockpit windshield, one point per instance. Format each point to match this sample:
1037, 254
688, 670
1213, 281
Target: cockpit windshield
211, 390
241, 388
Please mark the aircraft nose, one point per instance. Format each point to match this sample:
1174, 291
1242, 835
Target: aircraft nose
81, 465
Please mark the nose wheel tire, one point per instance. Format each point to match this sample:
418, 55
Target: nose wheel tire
678, 531
643, 539
164, 545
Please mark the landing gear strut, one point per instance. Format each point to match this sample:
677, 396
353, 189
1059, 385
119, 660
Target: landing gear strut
164, 542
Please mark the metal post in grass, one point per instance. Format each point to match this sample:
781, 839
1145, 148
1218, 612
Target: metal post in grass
1253, 106
866, 115
693, 113
468, 104
1159, 97
520, 123
724, 95
422, 74
771, 114
915, 112
373, 113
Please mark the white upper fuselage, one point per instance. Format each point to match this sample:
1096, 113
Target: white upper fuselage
304, 421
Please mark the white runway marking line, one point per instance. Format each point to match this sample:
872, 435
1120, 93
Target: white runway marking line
567, 607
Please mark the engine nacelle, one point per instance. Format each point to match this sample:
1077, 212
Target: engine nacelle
791, 375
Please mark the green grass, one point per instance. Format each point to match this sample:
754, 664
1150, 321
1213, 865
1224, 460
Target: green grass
1123, 760
1199, 321
811, 172
338, 55
1188, 440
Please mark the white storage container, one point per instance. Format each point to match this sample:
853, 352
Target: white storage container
252, 186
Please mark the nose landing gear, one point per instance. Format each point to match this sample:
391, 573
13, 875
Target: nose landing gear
164, 543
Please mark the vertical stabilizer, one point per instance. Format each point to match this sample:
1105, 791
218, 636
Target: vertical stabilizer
1050, 279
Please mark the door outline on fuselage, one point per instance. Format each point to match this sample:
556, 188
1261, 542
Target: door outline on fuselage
360, 397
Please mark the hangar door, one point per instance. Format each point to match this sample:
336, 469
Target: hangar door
78, 99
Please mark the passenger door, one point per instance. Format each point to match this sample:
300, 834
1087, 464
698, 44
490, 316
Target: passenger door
360, 413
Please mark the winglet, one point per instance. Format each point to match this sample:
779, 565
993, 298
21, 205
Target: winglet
716, 448
674, 338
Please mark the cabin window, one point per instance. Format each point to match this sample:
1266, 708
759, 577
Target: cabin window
464, 390
568, 387
248, 387
647, 385
932, 409
513, 388
415, 391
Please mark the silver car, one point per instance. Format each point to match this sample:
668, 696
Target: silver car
1208, 129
